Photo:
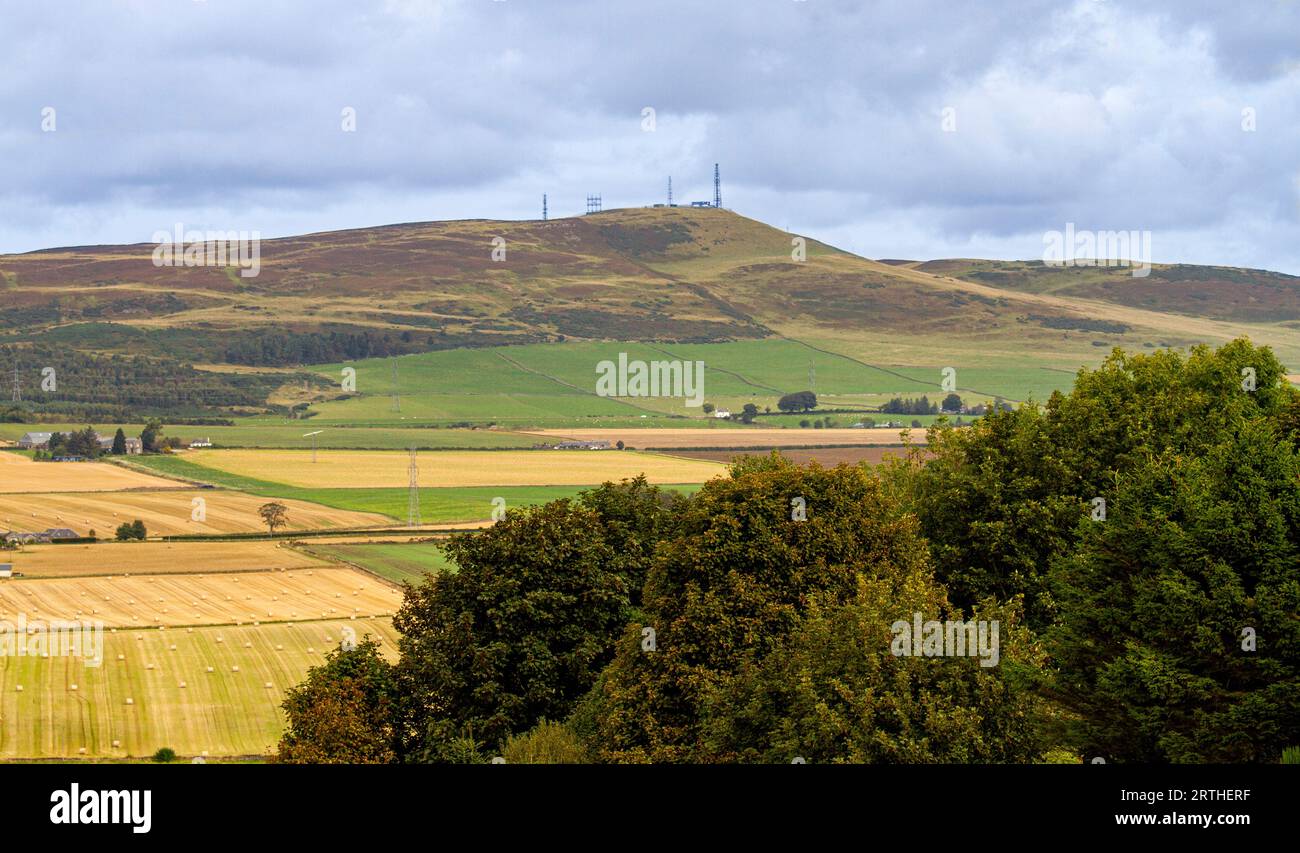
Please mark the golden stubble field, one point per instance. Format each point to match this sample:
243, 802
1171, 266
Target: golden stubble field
447, 468
144, 602
168, 513
185, 689
151, 558
20, 474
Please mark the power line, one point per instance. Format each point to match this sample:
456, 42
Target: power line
413, 501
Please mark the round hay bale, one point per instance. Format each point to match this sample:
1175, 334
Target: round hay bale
235, 668
182, 685
130, 701
117, 744
210, 669
18, 687
72, 687
268, 685
121, 657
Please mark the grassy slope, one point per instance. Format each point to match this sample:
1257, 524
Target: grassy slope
664, 275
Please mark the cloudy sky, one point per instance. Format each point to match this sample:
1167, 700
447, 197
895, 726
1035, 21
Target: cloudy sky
909, 129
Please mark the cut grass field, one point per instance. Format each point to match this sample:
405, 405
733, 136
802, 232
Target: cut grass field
222, 713
437, 506
397, 561
445, 469
19, 474
167, 513
150, 558
140, 601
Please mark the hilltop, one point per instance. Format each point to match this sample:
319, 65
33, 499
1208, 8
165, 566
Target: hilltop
674, 276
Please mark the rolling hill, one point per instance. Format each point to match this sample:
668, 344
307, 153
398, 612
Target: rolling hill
674, 278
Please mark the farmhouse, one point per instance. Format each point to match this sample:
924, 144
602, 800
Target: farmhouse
134, 447
722, 413
34, 441
583, 445
200, 442
23, 538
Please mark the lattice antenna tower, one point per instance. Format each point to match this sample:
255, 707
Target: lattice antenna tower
593, 204
544, 217
717, 186
18, 385
670, 190
413, 500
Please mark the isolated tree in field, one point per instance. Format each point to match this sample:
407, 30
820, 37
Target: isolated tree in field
346, 712
119, 443
274, 515
800, 401
128, 531
952, 403
748, 413
708, 408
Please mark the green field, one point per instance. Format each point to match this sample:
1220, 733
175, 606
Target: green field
437, 506
262, 432
553, 385
397, 561
221, 712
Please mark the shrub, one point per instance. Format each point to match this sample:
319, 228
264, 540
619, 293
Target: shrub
545, 743
165, 755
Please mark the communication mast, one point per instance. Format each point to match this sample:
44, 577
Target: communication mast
593, 204
543, 207
717, 187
